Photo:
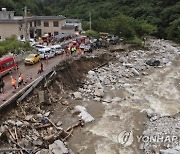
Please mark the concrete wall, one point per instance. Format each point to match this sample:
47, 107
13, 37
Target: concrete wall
51, 29
8, 29
6, 14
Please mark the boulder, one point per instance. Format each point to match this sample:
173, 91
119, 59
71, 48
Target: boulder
98, 86
135, 72
77, 95
128, 65
153, 62
47, 114
107, 99
91, 73
175, 150
84, 114
59, 123
11, 122
37, 142
116, 99
44, 151
28, 117
58, 147
19, 123
99, 92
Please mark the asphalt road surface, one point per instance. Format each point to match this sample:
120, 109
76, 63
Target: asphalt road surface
26, 70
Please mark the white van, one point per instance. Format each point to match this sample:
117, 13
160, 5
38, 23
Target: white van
57, 49
46, 52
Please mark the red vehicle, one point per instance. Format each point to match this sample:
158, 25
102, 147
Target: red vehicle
7, 64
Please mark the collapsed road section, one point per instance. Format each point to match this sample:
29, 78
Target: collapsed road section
89, 104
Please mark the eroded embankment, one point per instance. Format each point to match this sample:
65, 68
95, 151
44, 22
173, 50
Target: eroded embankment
48, 113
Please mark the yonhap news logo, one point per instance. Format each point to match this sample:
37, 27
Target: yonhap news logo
126, 138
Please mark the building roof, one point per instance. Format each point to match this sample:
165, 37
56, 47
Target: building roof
21, 19
49, 17
9, 21
74, 20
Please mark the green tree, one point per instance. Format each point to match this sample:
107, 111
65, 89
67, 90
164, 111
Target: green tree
173, 31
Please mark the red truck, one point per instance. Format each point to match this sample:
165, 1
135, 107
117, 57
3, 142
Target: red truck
7, 64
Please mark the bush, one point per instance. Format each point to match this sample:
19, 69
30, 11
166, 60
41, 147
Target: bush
13, 45
136, 41
92, 33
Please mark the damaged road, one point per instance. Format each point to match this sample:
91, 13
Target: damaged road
90, 100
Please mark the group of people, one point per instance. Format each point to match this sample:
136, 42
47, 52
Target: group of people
20, 81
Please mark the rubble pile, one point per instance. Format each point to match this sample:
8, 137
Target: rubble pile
163, 135
35, 132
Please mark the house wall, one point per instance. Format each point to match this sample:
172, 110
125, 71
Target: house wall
18, 29
51, 29
8, 29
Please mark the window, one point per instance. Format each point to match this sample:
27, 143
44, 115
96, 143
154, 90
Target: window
38, 22
30, 24
56, 33
55, 23
46, 24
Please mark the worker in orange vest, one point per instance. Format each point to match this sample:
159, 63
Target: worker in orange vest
13, 82
22, 77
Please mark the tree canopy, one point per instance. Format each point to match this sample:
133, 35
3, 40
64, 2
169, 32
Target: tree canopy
126, 18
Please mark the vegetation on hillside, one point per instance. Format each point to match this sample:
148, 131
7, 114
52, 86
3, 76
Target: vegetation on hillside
126, 18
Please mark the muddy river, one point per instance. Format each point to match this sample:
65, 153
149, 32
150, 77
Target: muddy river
158, 91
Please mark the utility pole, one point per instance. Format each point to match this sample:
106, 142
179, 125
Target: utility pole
90, 22
25, 20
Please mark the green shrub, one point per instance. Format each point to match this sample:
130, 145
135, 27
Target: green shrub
136, 41
13, 45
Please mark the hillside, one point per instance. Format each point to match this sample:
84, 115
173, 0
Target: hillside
35, 7
165, 14
126, 18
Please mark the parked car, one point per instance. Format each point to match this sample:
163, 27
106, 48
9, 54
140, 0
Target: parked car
32, 59
86, 47
46, 52
57, 49
7, 64
38, 46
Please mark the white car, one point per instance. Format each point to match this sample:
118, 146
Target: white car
46, 52
57, 49
38, 46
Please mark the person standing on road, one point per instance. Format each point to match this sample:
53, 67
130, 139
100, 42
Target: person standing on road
22, 79
2, 84
13, 82
42, 67
46, 58
19, 81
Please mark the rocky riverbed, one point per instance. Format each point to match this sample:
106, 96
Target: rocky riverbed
131, 91
104, 103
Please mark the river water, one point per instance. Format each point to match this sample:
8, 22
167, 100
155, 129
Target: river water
158, 91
